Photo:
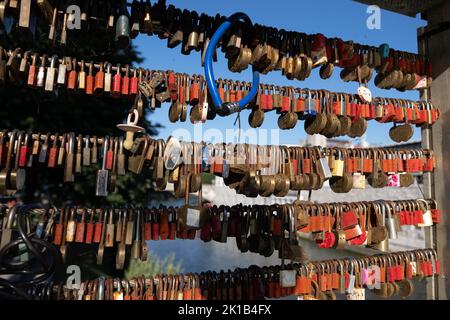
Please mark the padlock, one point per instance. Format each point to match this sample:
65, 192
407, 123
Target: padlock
122, 37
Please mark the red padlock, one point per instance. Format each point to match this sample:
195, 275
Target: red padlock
134, 82
399, 114
401, 164
164, 225
418, 217
409, 113
436, 215
269, 288
216, 226
126, 81
173, 228
409, 271
24, 151
80, 229
233, 230
110, 156
182, 232
194, 97
300, 105
99, 80
206, 232
2, 149
307, 166
172, 86
371, 111
337, 107
191, 234
349, 219
263, 104
349, 108
181, 92
32, 71
58, 233
391, 274
352, 233
359, 240
221, 91
437, 267
155, 227
319, 42
98, 228
401, 218
147, 227
276, 226
73, 76
367, 165
285, 103
238, 91
90, 80
90, 228
117, 83
328, 241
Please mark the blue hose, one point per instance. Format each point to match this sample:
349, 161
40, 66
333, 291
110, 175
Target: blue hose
229, 107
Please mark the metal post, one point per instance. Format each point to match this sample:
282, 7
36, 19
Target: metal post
428, 177
436, 45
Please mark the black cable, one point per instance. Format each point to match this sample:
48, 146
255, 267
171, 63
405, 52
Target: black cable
8, 285
39, 253
25, 237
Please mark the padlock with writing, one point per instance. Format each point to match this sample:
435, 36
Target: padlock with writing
122, 37
338, 165
51, 74
82, 77
90, 79
41, 72
31, 70
62, 71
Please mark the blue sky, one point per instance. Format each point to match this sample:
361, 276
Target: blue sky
345, 19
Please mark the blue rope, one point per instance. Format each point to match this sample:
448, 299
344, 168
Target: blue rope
227, 108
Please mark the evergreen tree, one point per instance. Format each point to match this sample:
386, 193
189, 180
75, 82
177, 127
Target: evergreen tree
30, 109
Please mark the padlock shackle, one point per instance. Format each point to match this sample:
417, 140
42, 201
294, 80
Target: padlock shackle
227, 108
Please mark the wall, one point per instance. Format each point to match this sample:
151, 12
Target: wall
439, 52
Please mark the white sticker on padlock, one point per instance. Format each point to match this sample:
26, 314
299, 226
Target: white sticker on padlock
288, 278
422, 83
358, 230
172, 154
394, 180
351, 284
193, 218
413, 265
359, 181
365, 94
427, 219
357, 294
326, 168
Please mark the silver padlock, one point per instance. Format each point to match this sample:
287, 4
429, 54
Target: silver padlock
51, 73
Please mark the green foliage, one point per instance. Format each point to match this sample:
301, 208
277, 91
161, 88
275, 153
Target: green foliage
208, 178
153, 266
30, 109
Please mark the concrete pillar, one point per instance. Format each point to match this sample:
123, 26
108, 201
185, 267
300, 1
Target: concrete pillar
438, 47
